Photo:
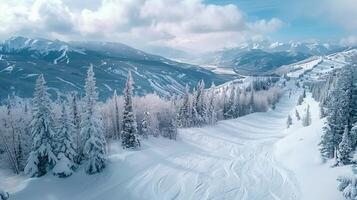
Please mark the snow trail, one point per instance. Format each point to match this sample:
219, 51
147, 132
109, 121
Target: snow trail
231, 160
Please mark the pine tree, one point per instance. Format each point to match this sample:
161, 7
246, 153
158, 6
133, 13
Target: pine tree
195, 120
229, 109
145, 125
297, 115
42, 157
91, 130
251, 101
300, 99
212, 115
306, 120
289, 121
75, 120
65, 146
184, 115
322, 112
353, 135
344, 149
129, 134
237, 107
116, 116
340, 105
200, 104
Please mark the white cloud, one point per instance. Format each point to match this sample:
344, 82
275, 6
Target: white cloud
350, 40
184, 24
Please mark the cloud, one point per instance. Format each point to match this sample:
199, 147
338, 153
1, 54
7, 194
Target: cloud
185, 24
349, 41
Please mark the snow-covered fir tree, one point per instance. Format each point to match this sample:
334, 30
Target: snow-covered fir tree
75, 119
129, 133
229, 109
306, 120
184, 113
289, 121
91, 130
344, 149
42, 157
116, 116
211, 113
300, 99
251, 101
65, 146
201, 104
196, 118
348, 187
145, 125
297, 115
237, 106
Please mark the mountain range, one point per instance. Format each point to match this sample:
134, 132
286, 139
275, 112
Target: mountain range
64, 65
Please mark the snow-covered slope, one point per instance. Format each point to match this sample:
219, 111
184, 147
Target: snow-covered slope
324, 64
299, 152
232, 160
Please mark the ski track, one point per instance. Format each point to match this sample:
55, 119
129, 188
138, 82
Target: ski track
231, 160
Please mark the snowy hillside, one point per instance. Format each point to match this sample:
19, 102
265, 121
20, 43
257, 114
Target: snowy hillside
64, 66
226, 161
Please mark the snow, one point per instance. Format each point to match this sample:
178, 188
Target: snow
8, 69
302, 67
299, 152
70, 83
252, 157
228, 161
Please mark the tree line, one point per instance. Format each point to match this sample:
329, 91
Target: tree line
338, 103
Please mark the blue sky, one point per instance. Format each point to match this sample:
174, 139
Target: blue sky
190, 25
297, 25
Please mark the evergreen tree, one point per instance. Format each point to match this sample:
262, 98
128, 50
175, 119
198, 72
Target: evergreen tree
75, 120
297, 115
116, 116
322, 112
353, 135
237, 106
229, 109
200, 104
344, 149
184, 115
196, 118
91, 130
129, 133
212, 115
340, 105
300, 99
65, 146
145, 125
306, 120
289, 121
251, 101
42, 157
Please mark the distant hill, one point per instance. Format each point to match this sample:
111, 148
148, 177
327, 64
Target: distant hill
64, 66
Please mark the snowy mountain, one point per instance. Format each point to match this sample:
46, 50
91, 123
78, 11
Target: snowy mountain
64, 66
263, 57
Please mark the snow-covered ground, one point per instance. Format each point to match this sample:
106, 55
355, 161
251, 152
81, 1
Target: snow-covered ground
254, 157
299, 152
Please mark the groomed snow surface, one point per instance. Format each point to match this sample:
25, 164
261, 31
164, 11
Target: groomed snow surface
254, 157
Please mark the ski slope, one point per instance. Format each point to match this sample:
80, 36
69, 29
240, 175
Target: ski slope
232, 160
299, 152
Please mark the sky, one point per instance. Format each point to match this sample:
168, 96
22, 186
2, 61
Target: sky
189, 25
